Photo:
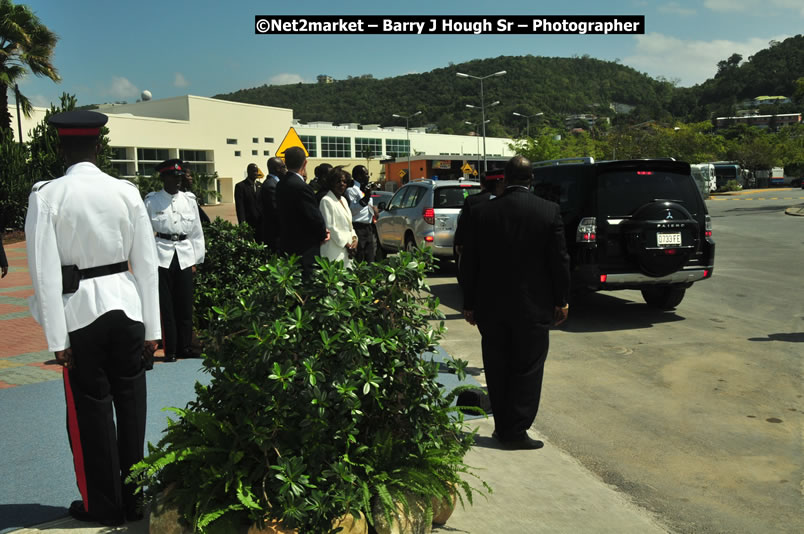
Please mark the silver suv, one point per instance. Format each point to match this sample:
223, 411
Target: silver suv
423, 212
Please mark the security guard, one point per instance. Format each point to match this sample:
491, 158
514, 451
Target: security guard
93, 264
180, 246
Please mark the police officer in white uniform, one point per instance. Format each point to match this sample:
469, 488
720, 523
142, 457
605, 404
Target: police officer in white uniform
83, 233
180, 245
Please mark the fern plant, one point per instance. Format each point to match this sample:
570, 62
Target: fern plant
319, 403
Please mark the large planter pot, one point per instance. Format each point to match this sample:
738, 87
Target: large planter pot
443, 508
411, 521
351, 525
271, 526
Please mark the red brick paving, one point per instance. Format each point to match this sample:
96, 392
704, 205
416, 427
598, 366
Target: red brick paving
6, 385
11, 308
21, 336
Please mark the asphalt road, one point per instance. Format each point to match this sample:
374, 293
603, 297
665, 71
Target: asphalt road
697, 414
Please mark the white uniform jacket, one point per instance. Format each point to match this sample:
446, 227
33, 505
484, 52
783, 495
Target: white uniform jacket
338, 220
89, 219
176, 214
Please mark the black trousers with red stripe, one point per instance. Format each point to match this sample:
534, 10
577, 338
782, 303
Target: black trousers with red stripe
108, 375
176, 306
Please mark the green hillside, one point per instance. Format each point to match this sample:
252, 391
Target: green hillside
553, 85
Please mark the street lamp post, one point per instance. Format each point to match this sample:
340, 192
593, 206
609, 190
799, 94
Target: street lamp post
477, 137
482, 108
407, 132
527, 118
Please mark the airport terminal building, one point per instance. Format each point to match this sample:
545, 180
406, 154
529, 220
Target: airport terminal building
224, 137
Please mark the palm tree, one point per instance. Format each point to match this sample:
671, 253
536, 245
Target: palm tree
25, 45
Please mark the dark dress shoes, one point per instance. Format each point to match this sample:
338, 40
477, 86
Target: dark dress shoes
169, 358
521, 443
77, 512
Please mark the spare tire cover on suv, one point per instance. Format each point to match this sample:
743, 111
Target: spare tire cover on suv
669, 221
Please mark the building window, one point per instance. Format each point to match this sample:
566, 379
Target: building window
152, 154
367, 147
397, 147
193, 155
237, 153
266, 152
336, 147
255, 139
120, 168
231, 141
269, 139
255, 152
309, 144
118, 152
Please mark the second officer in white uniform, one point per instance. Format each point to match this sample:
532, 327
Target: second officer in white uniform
180, 247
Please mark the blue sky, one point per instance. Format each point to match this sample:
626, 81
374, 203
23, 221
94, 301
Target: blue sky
111, 51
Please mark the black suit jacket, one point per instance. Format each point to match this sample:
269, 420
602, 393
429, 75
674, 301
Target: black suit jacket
460, 228
246, 204
301, 225
515, 258
270, 213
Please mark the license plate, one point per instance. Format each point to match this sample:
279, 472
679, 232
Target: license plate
669, 239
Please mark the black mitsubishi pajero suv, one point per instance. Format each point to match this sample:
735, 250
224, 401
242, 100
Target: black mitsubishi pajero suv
638, 224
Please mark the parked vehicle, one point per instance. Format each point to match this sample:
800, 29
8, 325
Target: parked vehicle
705, 178
423, 212
637, 224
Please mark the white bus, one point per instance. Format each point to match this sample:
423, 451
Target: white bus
705, 179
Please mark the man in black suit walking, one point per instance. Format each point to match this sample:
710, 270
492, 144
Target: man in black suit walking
246, 203
267, 198
301, 225
515, 274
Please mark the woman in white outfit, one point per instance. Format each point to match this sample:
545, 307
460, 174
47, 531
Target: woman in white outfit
338, 218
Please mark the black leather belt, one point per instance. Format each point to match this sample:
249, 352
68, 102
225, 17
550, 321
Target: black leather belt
172, 237
361, 225
71, 275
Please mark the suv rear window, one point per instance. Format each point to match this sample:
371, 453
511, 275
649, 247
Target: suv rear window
453, 196
620, 193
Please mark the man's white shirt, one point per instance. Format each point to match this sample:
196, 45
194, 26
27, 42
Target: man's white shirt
89, 219
176, 214
360, 213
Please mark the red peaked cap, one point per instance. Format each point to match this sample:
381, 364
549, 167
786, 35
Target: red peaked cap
171, 166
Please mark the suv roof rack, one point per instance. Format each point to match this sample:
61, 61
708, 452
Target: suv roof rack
565, 161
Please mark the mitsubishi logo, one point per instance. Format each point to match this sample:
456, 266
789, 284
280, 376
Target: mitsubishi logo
669, 216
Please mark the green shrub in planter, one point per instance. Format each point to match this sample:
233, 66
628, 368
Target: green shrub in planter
319, 402
230, 266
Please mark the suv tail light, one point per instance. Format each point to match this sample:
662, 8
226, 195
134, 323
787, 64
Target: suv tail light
587, 231
429, 215
708, 226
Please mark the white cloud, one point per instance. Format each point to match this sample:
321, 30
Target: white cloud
285, 79
121, 88
757, 7
179, 80
691, 62
674, 8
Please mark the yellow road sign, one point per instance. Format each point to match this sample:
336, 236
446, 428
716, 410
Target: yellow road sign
291, 139
467, 169
402, 173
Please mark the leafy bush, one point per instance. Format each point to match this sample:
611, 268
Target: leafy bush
731, 185
230, 266
319, 403
15, 182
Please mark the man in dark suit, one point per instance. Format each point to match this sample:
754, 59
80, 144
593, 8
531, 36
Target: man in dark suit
301, 225
515, 273
491, 186
246, 203
267, 198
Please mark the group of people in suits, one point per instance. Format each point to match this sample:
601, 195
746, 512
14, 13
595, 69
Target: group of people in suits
290, 217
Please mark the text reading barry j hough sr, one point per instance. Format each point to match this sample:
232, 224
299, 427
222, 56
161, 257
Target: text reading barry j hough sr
444, 25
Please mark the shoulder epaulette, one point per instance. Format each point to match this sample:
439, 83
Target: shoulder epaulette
39, 185
190, 194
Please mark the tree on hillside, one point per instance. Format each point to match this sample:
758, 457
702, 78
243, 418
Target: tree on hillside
25, 45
